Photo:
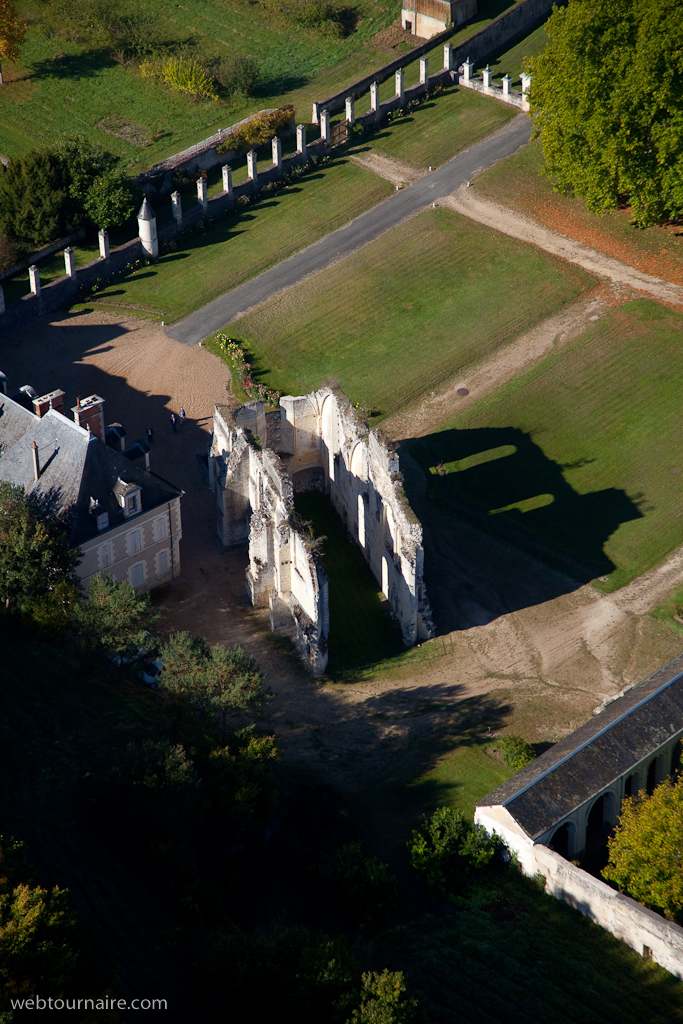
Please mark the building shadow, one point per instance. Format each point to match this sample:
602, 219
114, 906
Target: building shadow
503, 529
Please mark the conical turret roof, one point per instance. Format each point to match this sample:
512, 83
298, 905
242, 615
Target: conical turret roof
146, 211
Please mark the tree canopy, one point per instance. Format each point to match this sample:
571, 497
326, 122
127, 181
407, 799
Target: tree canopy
35, 556
12, 31
646, 850
607, 100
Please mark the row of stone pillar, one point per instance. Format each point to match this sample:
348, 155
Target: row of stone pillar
69, 267
322, 117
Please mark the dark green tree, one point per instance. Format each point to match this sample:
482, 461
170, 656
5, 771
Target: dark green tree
114, 619
607, 100
446, 849
219, 679
384, 1000
35, 556
35, 205
110, 200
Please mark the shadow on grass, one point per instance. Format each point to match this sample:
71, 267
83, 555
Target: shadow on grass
493, 508
76, 65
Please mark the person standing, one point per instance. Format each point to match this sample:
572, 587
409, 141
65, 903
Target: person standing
150, 435
182, 417
173, 422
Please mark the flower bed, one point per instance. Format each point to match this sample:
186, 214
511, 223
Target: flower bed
240, 364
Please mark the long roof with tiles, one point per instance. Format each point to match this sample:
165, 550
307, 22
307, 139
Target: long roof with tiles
587, 761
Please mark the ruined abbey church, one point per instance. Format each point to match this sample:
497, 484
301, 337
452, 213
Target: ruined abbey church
259, 460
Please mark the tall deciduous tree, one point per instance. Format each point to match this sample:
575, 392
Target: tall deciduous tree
35, 556
646, 850
114, 618
12, 32
607, 100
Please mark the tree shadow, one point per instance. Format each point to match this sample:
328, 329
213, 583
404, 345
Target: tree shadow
75, 65
503, 529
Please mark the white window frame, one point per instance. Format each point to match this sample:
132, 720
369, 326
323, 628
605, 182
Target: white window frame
129, 541
167, 552
161, 528
143, 566
100, 555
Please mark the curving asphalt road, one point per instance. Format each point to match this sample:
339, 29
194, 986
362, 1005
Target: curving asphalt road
353, 236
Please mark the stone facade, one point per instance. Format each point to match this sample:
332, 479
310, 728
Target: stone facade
258, 461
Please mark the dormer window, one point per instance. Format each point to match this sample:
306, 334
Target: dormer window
129, 497
101, 517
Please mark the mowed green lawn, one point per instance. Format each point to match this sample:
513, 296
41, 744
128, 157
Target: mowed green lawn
460, 780
585, 451
239, 248
396, 319
441, 127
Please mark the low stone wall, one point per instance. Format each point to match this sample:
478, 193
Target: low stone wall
41, 254
650, 935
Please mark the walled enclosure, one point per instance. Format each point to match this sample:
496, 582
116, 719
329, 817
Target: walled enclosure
258, 460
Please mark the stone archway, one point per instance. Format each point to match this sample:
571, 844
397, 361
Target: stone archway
564, 840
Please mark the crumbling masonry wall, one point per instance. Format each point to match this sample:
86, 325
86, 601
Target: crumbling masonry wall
314, 442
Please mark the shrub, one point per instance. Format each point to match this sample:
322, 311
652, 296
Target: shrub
258, 129
238, 75
383, 1000
325, 16
183, 74
447, 848
517, 753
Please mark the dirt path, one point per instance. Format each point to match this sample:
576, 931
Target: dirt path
466, 202
386, 167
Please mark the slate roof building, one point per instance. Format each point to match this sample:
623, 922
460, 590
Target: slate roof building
125, 519
570, 797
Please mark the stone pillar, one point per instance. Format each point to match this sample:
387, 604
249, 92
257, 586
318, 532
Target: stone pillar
507, 82
252, 170
276, 147
177, 206
2, 300
325, 125
399, 83
34, 278
487, 75
103, 238
315, 116
374, 96
301, 139
227, 178
526, 83
448, 57
424, 70
147, 230
468, 70
69, 262
201, 193
350, 110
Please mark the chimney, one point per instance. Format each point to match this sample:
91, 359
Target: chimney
36, 465
53, 400
89, 415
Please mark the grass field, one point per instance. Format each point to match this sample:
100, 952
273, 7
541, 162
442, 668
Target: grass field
63, 86
361, 631
517, 182
460, 779
582, 453
405, 313
238, 248
441, 127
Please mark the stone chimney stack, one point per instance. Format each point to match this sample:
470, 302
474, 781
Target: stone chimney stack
88, 413
54, 400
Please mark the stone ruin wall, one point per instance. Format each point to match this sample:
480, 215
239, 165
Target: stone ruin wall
314, 442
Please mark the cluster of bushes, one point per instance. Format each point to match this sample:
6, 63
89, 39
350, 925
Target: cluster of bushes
245, 373
448, 848
517, 753
258, 130
328, 17
202, 78
50, 193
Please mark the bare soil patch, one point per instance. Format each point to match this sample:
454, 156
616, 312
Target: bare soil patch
395, 171
395, 39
